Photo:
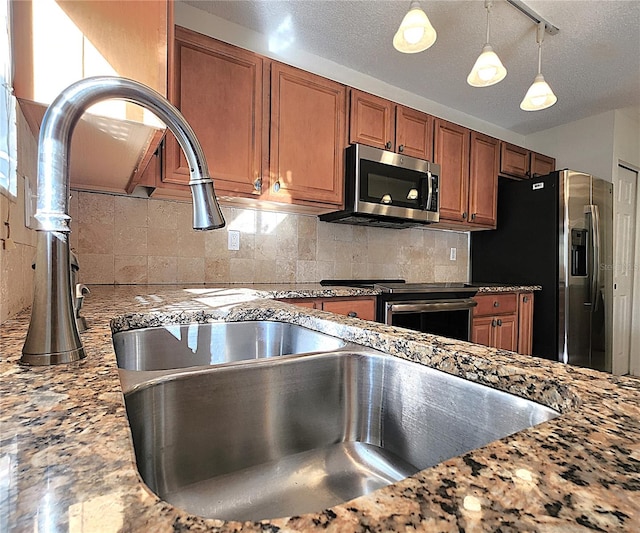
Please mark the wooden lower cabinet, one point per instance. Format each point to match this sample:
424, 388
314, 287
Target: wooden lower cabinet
525, 323
359, 307
504, 321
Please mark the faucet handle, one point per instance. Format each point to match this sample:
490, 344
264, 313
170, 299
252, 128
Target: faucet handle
82, 290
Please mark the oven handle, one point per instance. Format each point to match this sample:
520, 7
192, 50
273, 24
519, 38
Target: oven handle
426, 306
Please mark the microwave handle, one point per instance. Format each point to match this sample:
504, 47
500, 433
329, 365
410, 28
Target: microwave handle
429, 190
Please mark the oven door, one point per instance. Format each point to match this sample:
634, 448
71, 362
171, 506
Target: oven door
446, 317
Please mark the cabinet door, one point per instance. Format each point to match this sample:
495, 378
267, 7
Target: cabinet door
371, 120
414, 133
483, 179
525, 323
308, 137
506, 332
364, 308
451, 152
514, 160
218, 89
482, 330
541, 165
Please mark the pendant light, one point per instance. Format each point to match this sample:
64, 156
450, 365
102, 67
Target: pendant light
539, 96
415, 33
488, 69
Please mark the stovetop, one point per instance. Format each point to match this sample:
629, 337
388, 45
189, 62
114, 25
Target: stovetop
395, 286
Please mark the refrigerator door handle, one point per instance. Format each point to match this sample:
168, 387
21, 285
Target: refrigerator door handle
595, 260
595, 279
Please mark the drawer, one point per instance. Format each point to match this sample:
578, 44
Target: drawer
365, 309
495, 304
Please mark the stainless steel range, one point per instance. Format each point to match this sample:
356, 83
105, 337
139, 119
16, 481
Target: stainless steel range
438, 308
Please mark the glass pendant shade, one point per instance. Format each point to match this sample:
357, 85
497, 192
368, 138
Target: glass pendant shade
487, 70
539, 96
415, 33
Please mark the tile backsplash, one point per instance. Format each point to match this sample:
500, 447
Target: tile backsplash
125, 240
16, 275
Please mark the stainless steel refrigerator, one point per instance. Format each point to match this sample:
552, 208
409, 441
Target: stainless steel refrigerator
556, 231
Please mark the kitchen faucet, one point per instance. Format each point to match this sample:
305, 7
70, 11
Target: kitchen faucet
53, 334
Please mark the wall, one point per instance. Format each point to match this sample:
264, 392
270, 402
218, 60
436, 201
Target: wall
134, 240
585, 145
16, 275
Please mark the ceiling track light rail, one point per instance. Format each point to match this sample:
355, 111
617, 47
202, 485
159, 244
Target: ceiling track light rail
524, 8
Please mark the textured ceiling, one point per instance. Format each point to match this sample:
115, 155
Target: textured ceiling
592, 64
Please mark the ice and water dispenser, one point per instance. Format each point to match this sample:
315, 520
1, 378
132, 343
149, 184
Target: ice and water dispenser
578, 252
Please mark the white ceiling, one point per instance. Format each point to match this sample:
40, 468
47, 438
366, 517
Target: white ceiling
592, 64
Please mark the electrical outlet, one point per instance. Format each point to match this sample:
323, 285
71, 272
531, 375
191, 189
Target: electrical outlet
233, 240
452, 254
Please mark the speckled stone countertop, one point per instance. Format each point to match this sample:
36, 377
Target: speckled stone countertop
67, 460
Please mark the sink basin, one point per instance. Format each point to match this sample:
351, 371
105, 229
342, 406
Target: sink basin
182, 346
283, 437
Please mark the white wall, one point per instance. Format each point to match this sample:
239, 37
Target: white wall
586, 145
207, 24
626, 138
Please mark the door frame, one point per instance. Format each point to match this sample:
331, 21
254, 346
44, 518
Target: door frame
634, 343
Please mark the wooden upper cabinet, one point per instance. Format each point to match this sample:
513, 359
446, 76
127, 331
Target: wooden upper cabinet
451, 152
520, 163
372, 121
541, 165
308, 137
218, 88
383, 124
514, 160
414, 133
483, 180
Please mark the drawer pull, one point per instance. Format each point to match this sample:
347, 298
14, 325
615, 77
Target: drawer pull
352, 314
496, 304
499, 322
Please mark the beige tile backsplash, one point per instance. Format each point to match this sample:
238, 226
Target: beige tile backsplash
126, 240
16, 274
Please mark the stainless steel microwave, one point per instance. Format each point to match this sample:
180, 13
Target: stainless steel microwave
386, 189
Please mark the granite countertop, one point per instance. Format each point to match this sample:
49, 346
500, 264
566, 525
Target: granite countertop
67, 460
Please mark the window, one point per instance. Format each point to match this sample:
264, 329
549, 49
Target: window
8, 136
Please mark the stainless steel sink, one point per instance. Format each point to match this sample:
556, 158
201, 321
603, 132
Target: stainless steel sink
288, 436
182, 346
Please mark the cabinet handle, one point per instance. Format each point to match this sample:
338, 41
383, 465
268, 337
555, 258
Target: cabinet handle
473, 216
525, 299
401, 148
493, 323
352, 314
496, 304
388, 145
464, 215
499, 322
276, 186
257, 185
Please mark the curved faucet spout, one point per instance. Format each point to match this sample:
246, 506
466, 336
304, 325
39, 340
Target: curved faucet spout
53, 335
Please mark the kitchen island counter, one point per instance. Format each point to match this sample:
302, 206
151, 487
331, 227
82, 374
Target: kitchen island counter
67, 460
